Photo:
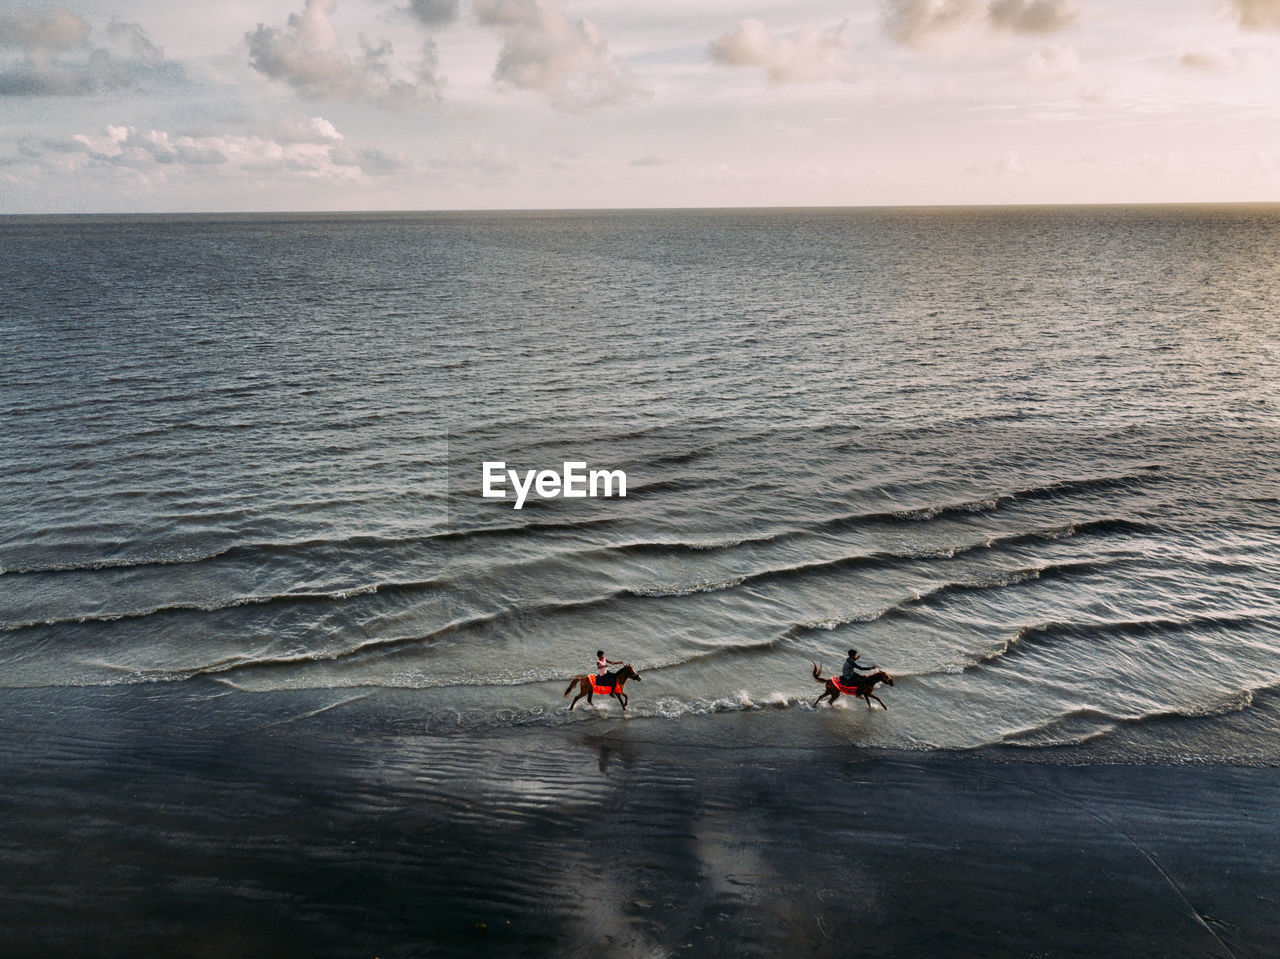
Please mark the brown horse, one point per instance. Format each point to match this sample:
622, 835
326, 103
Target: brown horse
861, 686
613, 686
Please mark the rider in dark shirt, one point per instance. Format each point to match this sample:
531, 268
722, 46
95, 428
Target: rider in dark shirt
847, 675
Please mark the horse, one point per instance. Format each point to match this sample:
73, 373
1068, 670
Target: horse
861, 686
588, 685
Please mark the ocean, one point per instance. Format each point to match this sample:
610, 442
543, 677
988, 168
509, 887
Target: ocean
1024, 460
278, 678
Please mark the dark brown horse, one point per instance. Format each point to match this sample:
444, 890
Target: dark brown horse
612, 686
861, 686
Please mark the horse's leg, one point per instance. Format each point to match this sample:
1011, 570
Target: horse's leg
622, 698
575, 701
877, 699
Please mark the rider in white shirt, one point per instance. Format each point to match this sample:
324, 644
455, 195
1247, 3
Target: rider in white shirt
603, 676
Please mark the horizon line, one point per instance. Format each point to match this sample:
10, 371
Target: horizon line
545, 211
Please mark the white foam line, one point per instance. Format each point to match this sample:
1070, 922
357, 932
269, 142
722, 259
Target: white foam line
315, 712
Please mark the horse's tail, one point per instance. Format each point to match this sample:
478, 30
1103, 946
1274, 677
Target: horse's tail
573, 682
817, 675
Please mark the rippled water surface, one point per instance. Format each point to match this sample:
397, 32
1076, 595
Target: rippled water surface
1024, 460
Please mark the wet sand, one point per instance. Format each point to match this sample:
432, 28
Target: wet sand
144, 824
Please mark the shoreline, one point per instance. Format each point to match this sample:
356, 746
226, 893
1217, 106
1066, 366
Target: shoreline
331, 835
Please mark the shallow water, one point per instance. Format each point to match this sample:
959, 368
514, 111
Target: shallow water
149, 819
1024, 460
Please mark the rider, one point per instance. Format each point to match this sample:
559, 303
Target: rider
847, 675
603, 676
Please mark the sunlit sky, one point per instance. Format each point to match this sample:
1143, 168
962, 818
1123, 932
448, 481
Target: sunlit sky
154, 106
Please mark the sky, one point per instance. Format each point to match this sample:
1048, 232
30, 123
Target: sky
272, 105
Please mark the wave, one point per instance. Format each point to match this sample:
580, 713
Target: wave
381, 646
260, 550
780, 536
879, 559
882, 558
1048, 633
903, 606
997, 580
891, 557
301, 596
255, 551
1088, 723
686, 589
677, 485
986, 504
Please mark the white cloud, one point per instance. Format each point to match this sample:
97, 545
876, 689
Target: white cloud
306, 54
1257, 14
913, 23
1055, 63
157, 153
805, 56
302, 129
130, 147
54, 54
544, 51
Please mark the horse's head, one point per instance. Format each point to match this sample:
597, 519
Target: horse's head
883, 677
628, 672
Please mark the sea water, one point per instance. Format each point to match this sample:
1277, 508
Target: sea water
1023, 460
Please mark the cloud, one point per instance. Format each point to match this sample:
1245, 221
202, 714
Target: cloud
805, 56
294, 128
306, 55
544, 51
434, 13
156, 153
54, 54
129, 147
56, 30
1204, 61
1257, 14
487, 159
370, 161
913, 23
1032, 16
1057, 63
135, 39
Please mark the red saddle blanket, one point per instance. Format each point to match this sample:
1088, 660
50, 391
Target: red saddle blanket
847, 690
599, 690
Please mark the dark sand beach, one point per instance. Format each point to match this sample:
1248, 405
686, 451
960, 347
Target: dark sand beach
144, 822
